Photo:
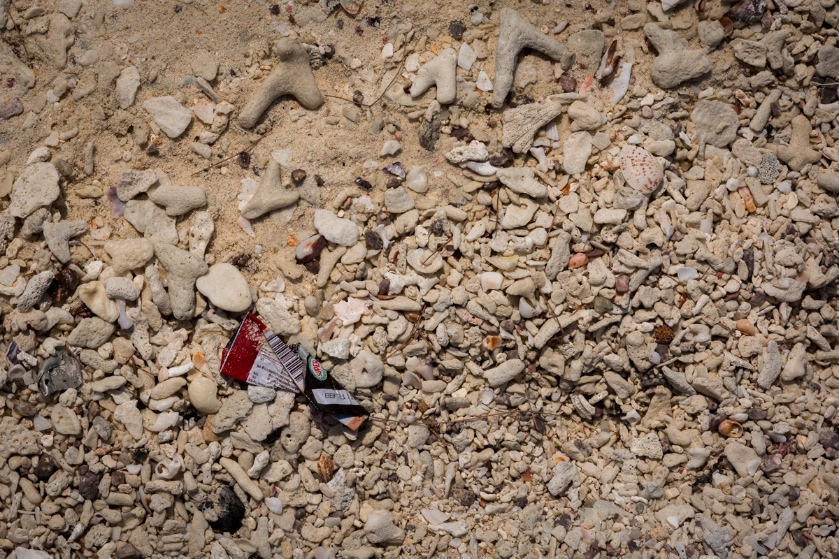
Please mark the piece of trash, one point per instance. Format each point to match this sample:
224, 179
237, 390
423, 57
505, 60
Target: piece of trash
256, 355
328, 396
58, 373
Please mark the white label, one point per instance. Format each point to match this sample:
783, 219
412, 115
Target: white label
328, 396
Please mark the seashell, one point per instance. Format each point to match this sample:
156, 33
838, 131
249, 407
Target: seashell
310, 249
730, 428
528, 309
411, 380
490, 343
641, 170
351, 6
168, 469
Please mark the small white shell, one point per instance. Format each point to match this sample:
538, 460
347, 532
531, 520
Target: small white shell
641, 170
168, 469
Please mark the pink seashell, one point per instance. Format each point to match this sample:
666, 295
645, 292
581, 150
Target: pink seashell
578, 260
641, 170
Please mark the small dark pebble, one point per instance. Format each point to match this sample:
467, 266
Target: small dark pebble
374, 21
464, 496
152, 150
438, 228
275, 10
757, 414
66, 280
139, 455
89, 486
256, 170
794, 494
127, 551
829, 439
82, 311
564, 520
45, 468
828, 95
244, 159
798, 538
775, 107
456, 30
520, 502
298, 175
429, 132
568, 84
373, 241
241, 260
502, 159
117, 478
462, 134
770, 463
522, 99
178, 9
357, 97
319, 180
10, 109
393, 183
365, 184
758, 299
230, 511
24, 408
747, 11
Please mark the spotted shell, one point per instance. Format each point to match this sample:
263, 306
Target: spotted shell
640, 169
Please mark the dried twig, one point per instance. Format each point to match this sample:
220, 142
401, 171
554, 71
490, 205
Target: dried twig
226, 159
508, 413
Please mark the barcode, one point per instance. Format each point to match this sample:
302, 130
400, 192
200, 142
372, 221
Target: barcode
290, 361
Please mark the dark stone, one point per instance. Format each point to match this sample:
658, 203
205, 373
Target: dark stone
464, 496
89, 486
747, 11
363, 183
298, 175
429, 132
373, 240
829, 439
503, 159
456, 30
45, 468
462, 134
24, 408
10, 109
128, 551
117, 478
230, 511
568, 84
757, 414
770, 463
